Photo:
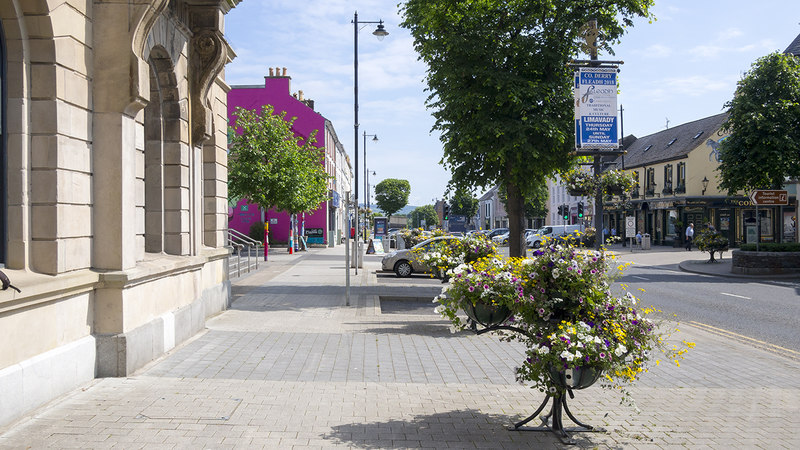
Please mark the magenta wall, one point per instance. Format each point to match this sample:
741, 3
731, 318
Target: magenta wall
276, 92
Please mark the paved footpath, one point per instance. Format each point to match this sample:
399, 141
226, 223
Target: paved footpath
291, 366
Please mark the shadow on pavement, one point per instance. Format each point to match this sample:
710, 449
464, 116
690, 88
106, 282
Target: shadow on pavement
461, 428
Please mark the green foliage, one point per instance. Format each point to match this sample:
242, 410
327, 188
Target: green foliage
711, 241
391, 195
271, 166
256, 232
424, 212
772, 247
463, 203
764, 146
501, 87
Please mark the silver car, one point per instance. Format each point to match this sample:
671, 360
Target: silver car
404, 262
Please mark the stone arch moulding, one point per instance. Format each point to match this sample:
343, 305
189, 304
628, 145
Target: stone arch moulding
143, 16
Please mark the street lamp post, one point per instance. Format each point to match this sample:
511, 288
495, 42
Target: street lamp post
369, 192
380, 32
366, 174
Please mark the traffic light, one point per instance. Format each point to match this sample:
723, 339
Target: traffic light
446, 211
580, 210
560, 210
565, 214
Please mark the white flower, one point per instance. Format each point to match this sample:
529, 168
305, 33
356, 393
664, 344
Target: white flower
453, 329
543, 350
578, 354
555, 273
567, 355
620, 350
439, 309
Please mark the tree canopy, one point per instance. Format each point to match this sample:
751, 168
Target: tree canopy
271, 166
501, 87
764, 146
463, 203
391, 195
424, 212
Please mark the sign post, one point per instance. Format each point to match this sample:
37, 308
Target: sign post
769, 197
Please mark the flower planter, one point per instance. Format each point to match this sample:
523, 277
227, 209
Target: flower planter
487, 315
577, 378
577, 192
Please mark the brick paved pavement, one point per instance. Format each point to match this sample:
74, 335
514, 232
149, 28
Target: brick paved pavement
290, 366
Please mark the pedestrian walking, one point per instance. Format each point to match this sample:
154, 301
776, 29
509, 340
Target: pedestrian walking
689, 236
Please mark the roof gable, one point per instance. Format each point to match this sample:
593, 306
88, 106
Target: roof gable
672, 143
794, 47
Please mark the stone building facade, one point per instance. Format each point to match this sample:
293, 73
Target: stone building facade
114, 203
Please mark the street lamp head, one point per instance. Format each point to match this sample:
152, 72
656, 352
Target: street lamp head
375, 138
380, 32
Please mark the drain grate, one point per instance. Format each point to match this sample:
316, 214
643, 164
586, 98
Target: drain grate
213, 410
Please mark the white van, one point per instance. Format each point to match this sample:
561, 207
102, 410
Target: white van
550, 232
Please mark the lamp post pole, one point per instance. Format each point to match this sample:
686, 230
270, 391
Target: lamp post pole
380, 32
366, 174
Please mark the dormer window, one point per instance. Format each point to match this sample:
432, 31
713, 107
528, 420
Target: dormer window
672, 142
697, 135
648, 147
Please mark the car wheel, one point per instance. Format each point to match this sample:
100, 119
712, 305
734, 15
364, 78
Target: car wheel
403, 269
537, 244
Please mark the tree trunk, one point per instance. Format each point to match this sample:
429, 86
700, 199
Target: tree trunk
515, 205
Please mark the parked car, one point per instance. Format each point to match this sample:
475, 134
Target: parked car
457, 233
501, 239
497, 231
536, 239
405, 262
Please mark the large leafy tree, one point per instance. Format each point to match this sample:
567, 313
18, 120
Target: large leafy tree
501, 87
271, 166
424, 212
463, 203
764, 146
391, 195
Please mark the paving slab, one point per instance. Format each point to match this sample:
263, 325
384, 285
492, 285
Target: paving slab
290, 365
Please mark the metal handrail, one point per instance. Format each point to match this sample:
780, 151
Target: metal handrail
240, 242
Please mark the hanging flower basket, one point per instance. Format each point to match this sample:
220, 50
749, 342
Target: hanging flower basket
575, 378
487, 314
577, 192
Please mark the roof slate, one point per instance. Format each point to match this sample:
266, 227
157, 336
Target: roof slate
656, 147
794, 47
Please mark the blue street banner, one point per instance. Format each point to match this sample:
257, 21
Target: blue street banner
596, 108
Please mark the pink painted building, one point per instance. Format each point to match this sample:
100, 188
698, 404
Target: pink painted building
324, 225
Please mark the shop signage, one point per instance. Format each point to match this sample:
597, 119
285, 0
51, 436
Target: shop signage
769, 197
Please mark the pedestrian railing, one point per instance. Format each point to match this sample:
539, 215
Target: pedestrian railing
244, 255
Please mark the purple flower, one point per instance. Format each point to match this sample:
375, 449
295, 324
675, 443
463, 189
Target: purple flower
471, 289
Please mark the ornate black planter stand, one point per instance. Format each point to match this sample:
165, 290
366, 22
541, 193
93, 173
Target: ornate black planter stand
553, 420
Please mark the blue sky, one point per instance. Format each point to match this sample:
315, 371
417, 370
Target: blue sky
682, 67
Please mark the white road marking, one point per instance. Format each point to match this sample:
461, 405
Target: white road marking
641, 278
734, 295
